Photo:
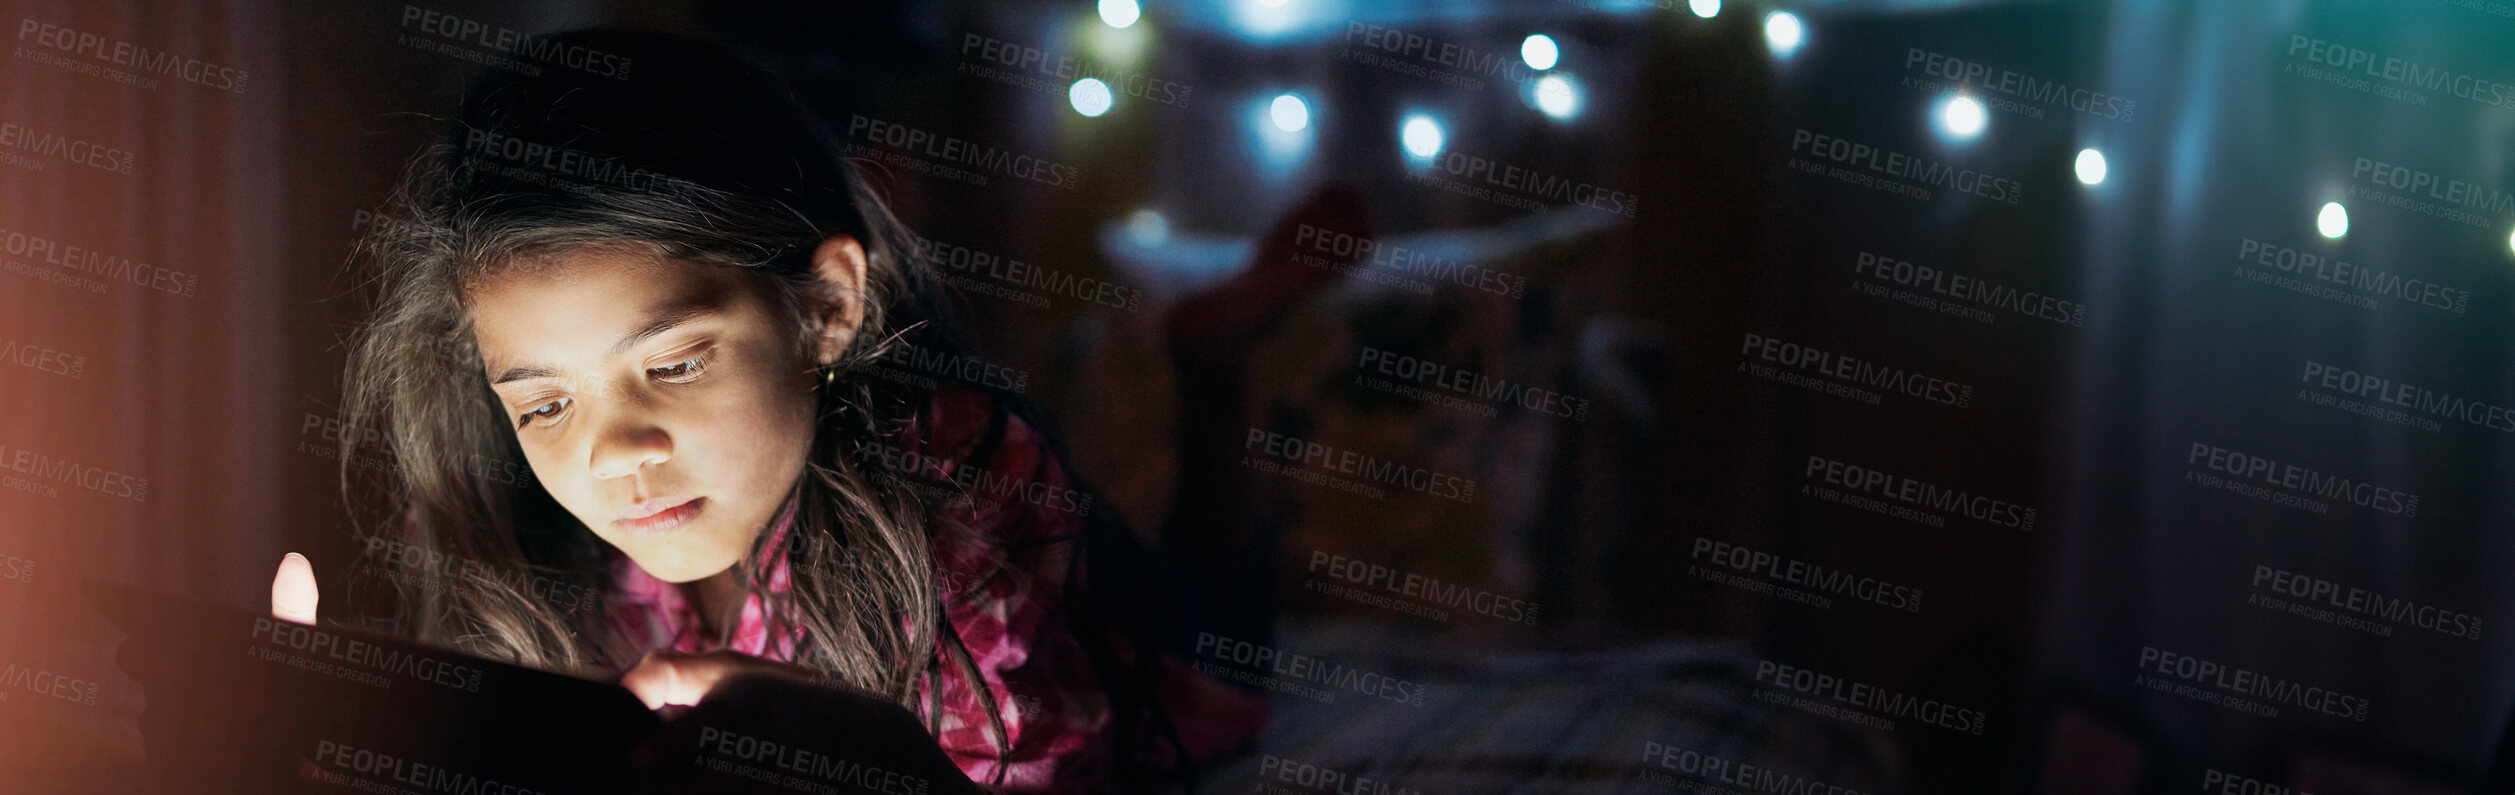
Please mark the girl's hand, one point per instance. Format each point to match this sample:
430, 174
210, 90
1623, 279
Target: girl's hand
672, 677
751, 704
760, 720
293, 595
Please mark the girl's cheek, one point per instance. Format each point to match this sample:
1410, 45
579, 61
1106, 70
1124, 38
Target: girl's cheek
569, 489
764, 402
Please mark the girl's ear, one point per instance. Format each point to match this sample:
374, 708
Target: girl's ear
837, 295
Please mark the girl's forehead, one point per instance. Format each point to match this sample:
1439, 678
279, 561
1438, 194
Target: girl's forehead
605, 275
580, 307
563, 263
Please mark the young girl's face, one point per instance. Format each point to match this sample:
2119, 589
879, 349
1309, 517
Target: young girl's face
666, 404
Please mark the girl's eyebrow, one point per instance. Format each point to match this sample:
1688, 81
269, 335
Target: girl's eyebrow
522, 373
663, 322
666, 321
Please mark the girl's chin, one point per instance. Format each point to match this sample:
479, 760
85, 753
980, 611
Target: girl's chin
678, 560
680, 570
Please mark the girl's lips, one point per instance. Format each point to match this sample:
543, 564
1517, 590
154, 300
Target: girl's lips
651, 522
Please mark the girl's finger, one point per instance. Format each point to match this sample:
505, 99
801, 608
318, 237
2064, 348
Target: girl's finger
671, 677
293, 595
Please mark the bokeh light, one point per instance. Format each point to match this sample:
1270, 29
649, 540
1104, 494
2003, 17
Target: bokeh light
1539, 51
1090, 96
1421, 135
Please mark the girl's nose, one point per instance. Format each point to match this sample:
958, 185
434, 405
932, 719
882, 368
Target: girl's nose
628, 444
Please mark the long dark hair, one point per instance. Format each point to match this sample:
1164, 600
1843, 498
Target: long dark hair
699, 157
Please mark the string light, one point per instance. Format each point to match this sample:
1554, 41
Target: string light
1421, 135
1963, 116
1120, 13
1290, 113
2091, 167
1539, 52
1783, 33
1090, 97
1558, 96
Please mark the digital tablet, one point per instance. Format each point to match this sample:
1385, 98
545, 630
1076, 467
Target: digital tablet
241, 701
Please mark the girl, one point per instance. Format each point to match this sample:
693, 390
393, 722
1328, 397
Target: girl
749, 437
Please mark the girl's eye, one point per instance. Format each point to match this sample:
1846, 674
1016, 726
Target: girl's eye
543, 414
681, 372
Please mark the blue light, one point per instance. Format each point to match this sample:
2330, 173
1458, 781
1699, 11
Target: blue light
2091, 167
1783, 33
1421, 135
1263, 20
1558, 96
1280, 130
1119, 13
2333, 222
1963, 117
1090, 96
1148, 228
1539, 51
1289, 113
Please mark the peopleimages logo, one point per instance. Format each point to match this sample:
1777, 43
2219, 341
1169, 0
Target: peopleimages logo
802, 769
1971, 291
472, 32
1020, 64
1293, 668
1717, 769
1480, 386
972, 479
2365, 283
2382, 184
423, 566
2251, 468
1272, 768
1001, 272
1536, 184
967, 368
69, 258
41, 359
2316, 591
2024, 86
1875, 375
2401, 72
2344, 381
67, 471
47, 683
126, 54
74, 151
1807, 575
2241, 684
576, 164
397, 770
1300, 452
354, 659
1459, 58
946, 149
1911, 168
1865, 480
2432, 186
1426, 589
1407, 261
1868, 697
2220, 782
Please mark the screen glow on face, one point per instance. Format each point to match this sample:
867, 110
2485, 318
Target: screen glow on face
663, 403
